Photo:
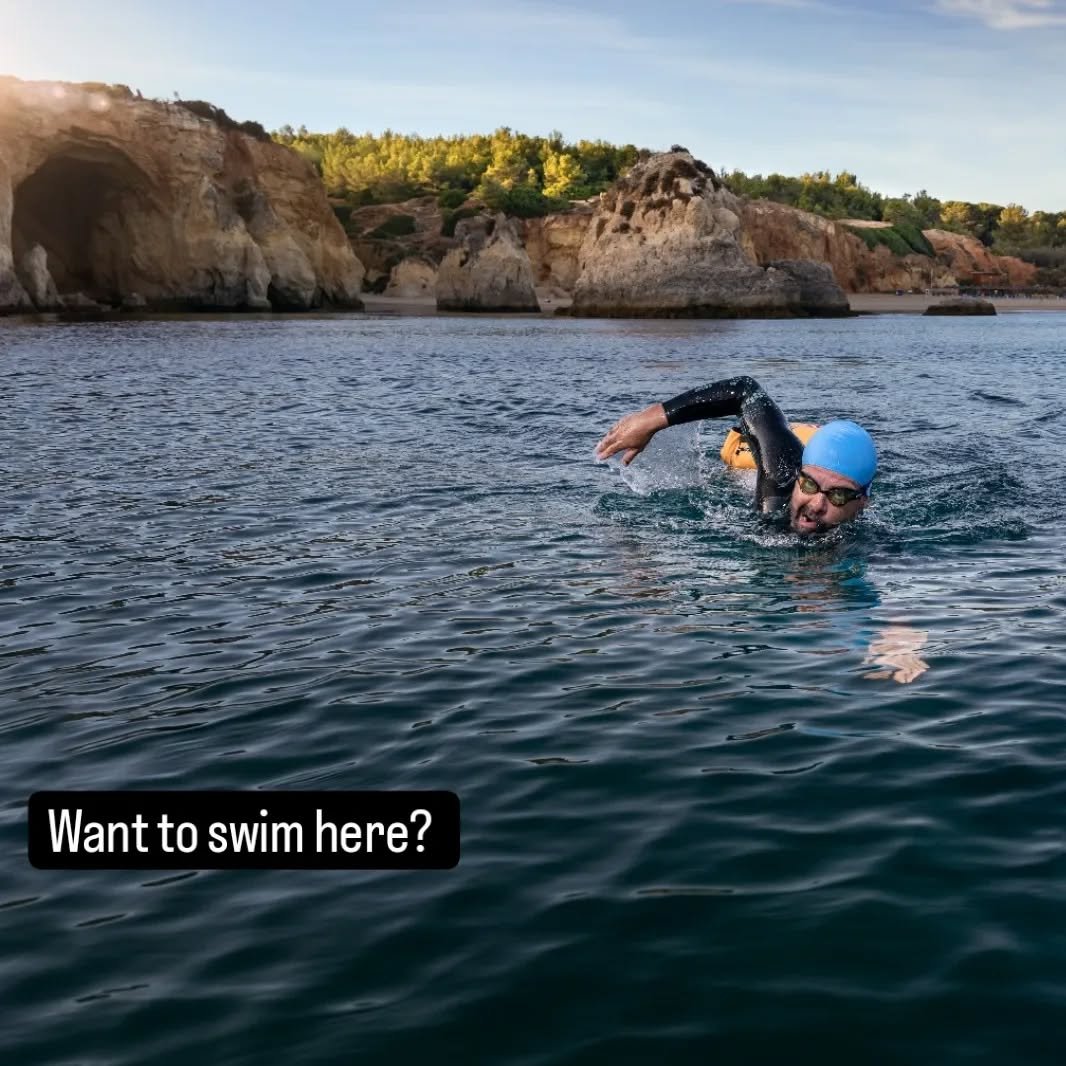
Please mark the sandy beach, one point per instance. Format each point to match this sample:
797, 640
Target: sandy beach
867, 303
881, 303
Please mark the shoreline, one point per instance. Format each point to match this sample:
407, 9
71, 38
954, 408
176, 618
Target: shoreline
862, 303
887, 303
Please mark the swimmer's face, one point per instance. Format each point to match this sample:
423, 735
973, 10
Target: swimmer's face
811, 513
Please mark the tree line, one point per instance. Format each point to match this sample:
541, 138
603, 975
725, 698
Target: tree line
1008, 230
508, 171
530, 175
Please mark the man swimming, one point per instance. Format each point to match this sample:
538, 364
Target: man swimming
824, 483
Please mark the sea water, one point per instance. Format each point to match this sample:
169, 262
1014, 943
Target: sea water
726, 796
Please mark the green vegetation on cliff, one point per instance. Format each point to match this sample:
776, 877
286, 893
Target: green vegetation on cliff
528, 176
1009, 230
508, 171
222, 120
900, 238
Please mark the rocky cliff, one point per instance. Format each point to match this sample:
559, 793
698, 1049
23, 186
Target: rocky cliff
774, 231
973, 264
667, 241
384, 235
553, 244
109, 198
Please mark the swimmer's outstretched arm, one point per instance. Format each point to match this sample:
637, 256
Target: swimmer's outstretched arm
631, 435
740, 397
776, 450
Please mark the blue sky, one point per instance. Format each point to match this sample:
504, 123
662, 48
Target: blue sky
966, 98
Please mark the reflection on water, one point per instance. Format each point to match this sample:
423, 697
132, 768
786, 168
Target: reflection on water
710, 772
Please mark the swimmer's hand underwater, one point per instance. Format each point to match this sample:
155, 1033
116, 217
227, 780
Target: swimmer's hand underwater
632, 433
897, 649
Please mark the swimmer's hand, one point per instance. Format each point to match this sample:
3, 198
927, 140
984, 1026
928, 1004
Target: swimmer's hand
897, 649
632, 433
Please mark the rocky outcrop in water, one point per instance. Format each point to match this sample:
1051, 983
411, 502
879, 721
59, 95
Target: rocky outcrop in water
666, 242
112, 200
961, 305
489, 271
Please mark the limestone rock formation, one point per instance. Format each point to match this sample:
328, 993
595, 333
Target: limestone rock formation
490, 271
78, 301
417, 222
384, 235
553, 244
412, 278
818, 288
379, 259
775, 231
666, 241
973, 264
961, 305
39, 284
137, 201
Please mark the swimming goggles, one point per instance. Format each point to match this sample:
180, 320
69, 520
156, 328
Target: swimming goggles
838, 497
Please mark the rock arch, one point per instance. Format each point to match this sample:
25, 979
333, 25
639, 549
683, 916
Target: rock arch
77, 206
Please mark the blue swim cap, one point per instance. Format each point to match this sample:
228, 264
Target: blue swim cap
844, 448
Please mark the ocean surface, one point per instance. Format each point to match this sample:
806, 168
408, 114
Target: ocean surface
726, 797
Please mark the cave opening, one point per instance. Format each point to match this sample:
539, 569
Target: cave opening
75, 206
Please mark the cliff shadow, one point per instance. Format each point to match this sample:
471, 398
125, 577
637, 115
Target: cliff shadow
77, 206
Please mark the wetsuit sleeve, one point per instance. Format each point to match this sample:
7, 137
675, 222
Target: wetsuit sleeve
777, 451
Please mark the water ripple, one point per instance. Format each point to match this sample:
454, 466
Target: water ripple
720, 790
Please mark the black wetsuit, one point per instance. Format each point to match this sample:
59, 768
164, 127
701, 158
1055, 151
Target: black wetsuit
777, 451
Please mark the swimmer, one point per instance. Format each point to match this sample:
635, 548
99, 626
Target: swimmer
823, 483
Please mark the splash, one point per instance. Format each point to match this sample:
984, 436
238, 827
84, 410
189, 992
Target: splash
671, 461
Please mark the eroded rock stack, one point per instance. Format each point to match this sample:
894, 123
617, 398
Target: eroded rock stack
489, 271
110, 200
666, 241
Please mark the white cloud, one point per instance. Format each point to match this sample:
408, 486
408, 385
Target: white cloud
1008, 14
